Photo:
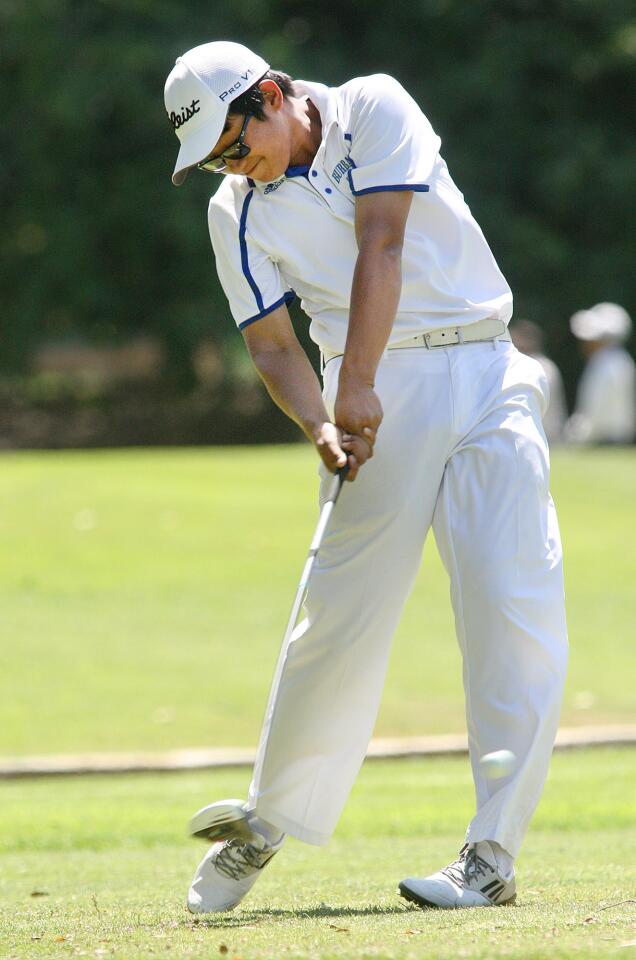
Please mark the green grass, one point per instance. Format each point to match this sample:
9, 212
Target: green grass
111, 858
144, 595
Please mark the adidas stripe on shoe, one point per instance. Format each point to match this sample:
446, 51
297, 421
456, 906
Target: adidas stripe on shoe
473, 880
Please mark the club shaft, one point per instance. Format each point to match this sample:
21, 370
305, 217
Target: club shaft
325, 513
331, 496
329, 502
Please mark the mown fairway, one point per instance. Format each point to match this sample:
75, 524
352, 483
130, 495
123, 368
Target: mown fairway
144, 594
99, 867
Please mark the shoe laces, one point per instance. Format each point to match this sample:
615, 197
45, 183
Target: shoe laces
237, 859
468, 867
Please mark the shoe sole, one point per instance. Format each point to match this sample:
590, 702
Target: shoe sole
412, 897
220, 821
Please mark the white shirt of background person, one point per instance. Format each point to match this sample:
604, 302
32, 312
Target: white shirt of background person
606, 396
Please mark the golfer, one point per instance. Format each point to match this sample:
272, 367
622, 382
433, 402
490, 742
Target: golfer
340, 196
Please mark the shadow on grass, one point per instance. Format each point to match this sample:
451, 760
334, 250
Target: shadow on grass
324, 911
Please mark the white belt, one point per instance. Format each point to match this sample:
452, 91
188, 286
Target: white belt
489, 329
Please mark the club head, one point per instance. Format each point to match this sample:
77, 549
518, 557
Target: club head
221, 821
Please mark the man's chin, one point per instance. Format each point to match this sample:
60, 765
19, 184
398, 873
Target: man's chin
266, 175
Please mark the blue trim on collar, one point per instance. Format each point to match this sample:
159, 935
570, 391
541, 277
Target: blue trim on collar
244, 257
287, 298
299, 171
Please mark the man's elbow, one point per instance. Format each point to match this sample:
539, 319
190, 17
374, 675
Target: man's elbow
385, 240
269, 357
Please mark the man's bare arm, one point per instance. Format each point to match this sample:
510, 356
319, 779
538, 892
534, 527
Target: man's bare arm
293, 385
380, 222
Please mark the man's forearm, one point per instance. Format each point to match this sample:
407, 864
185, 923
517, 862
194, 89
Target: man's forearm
293, 386
375, 294
380, 223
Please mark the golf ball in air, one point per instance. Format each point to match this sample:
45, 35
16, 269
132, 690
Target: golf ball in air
498, 764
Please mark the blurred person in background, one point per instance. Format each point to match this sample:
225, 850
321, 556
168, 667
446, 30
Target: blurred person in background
528, 338
606, 396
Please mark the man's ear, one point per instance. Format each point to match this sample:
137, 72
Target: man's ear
272, 93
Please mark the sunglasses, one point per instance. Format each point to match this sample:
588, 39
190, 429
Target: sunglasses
236, 151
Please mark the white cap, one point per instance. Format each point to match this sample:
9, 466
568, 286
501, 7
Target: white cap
605, 321
198, 91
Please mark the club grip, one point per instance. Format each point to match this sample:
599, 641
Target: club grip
335, 486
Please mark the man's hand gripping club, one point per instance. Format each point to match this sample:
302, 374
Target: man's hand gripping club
336, 448
288, 375
358, 415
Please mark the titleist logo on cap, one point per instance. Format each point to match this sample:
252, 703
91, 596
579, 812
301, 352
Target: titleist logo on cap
178, 119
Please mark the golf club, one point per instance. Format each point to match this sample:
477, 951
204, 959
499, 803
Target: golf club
228, 818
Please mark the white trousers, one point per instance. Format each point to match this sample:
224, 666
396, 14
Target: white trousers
461, 448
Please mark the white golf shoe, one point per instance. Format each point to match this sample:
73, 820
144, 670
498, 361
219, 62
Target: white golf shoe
473, 880
227, 873
233, 864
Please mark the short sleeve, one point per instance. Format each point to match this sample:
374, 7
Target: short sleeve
251, 281
393, 146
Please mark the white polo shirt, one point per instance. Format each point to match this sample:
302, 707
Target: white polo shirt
296, 235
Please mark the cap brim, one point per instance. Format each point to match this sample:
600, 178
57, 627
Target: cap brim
195, 149
179, 176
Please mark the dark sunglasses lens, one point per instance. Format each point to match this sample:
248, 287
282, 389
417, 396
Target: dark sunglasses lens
213, 166
217, 164
236, 152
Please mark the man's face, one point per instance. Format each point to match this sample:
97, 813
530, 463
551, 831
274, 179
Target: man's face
590, 347
269, 141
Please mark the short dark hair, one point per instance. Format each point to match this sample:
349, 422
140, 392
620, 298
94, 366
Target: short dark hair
253, 101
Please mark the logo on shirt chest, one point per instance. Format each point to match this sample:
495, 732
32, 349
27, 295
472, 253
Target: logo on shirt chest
340, 169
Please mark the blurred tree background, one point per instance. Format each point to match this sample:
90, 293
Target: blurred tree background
533, 101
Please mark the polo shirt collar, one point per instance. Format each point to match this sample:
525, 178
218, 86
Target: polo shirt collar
324, 99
